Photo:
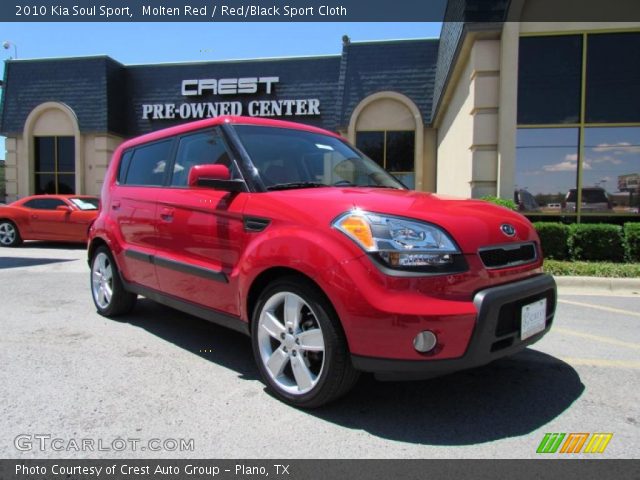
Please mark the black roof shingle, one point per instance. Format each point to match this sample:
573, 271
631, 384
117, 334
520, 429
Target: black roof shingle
404, 66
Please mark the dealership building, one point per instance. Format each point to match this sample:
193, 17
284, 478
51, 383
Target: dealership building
547, 114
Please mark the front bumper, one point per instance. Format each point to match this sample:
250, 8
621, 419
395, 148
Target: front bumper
496, 333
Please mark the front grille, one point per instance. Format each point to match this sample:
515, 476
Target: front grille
509, 317
508, 255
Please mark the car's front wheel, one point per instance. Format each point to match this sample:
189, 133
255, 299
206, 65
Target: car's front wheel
9, 234
107, 290
299, 344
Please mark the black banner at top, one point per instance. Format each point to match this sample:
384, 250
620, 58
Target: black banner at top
318, 10
221, 10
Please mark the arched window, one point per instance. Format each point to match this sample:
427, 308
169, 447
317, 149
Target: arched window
388, 128
52, 135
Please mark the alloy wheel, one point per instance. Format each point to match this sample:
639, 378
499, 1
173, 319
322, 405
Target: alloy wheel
7, 233
291, 343
102, 280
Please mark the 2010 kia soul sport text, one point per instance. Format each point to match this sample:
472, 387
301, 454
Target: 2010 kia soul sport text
287, 233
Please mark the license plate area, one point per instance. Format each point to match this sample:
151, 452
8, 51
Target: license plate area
533, 318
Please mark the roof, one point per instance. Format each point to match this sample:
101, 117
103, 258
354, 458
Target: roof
80, 83
403, 66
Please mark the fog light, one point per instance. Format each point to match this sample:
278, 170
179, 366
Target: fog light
425, 341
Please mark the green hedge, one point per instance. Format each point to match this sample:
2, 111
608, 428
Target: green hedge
510, 204
592, 269
590, 242
596, 242
632, 242
553, 237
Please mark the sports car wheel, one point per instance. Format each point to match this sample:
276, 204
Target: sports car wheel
9, 234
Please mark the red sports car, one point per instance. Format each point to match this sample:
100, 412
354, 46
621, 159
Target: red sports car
60, 218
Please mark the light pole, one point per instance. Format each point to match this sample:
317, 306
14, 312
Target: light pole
7, 45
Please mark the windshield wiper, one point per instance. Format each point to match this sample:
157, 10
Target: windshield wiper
291, 185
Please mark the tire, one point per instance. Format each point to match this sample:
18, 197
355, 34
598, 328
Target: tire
9, 234
108, 293
302, 355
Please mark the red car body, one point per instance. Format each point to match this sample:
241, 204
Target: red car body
212, 251
59, 218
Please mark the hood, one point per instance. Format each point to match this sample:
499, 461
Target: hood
471, 223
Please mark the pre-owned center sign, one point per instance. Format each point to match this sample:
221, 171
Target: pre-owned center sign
221, 87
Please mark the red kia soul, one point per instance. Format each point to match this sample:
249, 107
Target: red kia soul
287, 233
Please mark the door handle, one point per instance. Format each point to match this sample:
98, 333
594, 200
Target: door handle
34, 216
115, 205
166, 214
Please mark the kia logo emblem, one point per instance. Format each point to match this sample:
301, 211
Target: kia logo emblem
508, 230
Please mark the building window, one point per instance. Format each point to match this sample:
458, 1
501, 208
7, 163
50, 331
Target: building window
549, 79
613, 78
547, 168
392, 150
578, 143
611, 164
55, 165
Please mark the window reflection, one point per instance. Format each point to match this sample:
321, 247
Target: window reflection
612, 164
546, 168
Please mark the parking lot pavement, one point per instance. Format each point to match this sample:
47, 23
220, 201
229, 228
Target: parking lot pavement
70, 374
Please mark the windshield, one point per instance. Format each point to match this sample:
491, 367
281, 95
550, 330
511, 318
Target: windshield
287, 158
85, 203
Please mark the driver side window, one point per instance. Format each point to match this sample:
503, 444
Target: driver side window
44, 203
199, 149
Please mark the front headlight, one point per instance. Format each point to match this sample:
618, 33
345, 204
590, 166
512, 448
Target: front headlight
399, 242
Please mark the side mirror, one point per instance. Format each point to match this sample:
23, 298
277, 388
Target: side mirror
214, 176
64, 208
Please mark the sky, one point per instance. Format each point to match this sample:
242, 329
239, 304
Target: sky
134, 43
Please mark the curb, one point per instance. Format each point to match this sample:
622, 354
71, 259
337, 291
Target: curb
598, 285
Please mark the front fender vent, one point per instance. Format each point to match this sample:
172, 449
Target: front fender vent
509, 255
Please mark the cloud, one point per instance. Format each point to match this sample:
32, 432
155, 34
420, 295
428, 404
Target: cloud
617, 148
606, 159
570, 164
571, 159
566, 166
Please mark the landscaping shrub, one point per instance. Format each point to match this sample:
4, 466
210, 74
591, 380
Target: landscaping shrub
632, 242
592, 269
510, 204
553, 238
599, 242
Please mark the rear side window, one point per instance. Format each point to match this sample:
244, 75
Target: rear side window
198, 149
148, 164
124, 165
44, 203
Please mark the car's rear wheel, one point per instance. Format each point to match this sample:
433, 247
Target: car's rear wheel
9, 234
107, 290
299, 344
